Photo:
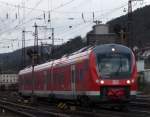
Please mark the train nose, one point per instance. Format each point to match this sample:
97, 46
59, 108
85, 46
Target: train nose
116, 94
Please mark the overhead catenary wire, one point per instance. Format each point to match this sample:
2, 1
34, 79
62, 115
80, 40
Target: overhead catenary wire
36, 9
32, 9
20, 24
35, 6
28, 21
104, 15
68, 32
90, 22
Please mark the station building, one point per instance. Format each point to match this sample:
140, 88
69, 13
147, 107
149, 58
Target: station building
8, 81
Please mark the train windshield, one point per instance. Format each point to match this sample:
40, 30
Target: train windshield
115, 65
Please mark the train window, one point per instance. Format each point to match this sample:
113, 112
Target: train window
80, 74
45, 76
48, 77
85, 67
114, 66
59, 77
56, 78
62, 77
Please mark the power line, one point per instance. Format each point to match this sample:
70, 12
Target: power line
55, 8
42, 14
32, 9
16, 6
107, 13
52, 10
36, 5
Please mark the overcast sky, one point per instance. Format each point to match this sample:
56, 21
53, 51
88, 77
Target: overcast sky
69, 18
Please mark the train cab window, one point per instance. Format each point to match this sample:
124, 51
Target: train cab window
114, 66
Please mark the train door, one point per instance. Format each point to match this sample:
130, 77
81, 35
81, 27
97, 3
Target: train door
45, 80
73, 80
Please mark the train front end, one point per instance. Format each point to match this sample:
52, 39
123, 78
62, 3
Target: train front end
115, 69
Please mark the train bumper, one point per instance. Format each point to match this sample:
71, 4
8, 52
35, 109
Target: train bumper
116, 94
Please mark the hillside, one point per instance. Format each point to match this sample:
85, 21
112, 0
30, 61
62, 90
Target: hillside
141, 25
12, 62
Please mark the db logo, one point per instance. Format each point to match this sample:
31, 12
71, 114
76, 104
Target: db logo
115, 82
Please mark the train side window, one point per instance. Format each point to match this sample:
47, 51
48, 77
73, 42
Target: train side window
48, 76
80, 74
85, 66
28, 79
54, 78
62, 77
45, 76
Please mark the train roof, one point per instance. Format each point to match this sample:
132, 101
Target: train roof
66, 59
106, 48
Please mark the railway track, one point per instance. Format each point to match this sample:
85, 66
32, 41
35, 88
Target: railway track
100, 111
47, 110
142, 102
29, 111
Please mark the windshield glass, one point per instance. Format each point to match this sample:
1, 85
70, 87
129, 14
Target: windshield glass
117, 65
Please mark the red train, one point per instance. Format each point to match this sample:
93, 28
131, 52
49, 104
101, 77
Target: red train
101, 73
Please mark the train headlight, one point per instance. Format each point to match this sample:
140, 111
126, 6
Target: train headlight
128, 82
113, 49
102, 81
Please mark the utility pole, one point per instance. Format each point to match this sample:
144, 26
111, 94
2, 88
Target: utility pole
52, 36
36, 39
52, 29
52, 49
34, 60
23, 35
23, 48
36, 44
41, 51
130, 24
53, 42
